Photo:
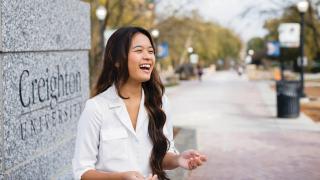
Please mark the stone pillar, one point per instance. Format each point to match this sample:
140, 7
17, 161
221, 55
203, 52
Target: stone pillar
44, 82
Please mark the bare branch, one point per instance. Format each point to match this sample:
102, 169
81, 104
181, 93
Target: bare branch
247, 11
175, 11
121, 8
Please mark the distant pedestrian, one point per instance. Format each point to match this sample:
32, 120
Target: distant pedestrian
125, 131
199, 71
240, 70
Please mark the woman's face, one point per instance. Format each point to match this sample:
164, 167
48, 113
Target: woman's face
141, 58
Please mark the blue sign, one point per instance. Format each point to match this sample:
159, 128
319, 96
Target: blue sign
273, 48
163, 50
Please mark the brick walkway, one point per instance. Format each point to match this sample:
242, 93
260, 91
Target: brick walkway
235, 124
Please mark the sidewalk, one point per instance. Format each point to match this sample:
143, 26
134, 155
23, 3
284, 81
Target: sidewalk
236, 127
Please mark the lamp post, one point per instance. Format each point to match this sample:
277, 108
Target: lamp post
302, 8
190, 51
155, 34
101, 14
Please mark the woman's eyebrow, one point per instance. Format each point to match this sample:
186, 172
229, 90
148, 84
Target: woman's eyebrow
139, 46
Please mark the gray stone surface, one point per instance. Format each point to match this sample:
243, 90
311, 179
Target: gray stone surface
43, 96
48, 166
184, 140
44, 83
65, 176
1, 118
41, 25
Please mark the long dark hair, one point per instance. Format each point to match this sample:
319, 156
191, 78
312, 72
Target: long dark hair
115, 71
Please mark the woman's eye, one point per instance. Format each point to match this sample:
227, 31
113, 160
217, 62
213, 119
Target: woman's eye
151, 52
138, 50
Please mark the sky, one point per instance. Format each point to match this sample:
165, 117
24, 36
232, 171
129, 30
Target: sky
228, 13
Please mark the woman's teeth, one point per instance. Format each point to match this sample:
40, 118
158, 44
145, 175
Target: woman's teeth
145, 66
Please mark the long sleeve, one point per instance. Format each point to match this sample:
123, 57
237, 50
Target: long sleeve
168, 129
87, 141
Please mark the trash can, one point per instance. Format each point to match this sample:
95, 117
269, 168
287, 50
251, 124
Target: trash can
288, 99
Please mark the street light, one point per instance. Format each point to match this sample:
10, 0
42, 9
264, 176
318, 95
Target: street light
155, 34
251, 52
302, 8
190, 51
101, 13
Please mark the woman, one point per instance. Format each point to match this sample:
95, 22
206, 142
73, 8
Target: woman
199, 71
125, 131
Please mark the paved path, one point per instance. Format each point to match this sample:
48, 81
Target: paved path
236, 125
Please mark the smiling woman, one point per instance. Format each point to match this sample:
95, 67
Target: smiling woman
125, 131
141, 58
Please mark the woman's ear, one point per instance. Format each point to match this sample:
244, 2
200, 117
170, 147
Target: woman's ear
117, 65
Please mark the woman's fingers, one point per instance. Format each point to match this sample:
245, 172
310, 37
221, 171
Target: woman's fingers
203, 158
195, 162
192, 159
194, 153
192, 163
198, 161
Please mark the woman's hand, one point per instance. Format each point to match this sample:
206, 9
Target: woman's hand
191, 159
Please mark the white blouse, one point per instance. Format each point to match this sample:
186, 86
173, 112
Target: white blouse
107, 141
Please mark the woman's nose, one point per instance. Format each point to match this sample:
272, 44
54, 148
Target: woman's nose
147, 55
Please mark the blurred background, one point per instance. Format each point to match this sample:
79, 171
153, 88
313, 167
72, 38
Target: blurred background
224, 34
178, 29
259, 37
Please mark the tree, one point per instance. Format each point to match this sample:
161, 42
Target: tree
209, 40
257, 44
291, 14
286, 11
119, 13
